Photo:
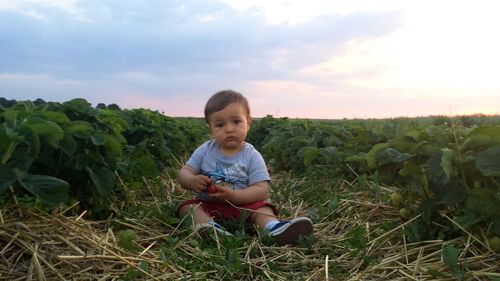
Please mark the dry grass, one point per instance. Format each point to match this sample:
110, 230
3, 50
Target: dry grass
39, 246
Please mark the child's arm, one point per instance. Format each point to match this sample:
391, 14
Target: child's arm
190, 180
253, 193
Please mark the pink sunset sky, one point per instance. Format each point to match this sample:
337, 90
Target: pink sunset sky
305, 59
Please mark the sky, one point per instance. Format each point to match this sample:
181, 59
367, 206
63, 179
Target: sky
293, 58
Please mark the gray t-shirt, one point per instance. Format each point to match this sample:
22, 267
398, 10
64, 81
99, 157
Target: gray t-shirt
241, 170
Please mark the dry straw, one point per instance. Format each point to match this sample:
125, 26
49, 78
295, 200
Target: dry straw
38, 246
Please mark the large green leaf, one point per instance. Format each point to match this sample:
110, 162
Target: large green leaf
117, 123
388, 172
114, 145
46, 188
482, 137
413, 134
78, 128
404, 143
297, 141
7, 177
32, 139
451, 193
478, 141
483, 203
11, 118
439, 135
146, 166
390, 155
360, 157
428, 208
99, 137
103, 179
330, 152
297, 130
8, 152
488, 161
450, 258
58, 117
411, 169
370, 157
447, 161
440, 165
69, 145
48, 130
467, 220
310, 154
79, 105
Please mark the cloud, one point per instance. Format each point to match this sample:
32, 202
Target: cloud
171, 55
295, 12
175, 37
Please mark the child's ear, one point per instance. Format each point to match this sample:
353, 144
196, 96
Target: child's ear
208, 124
249, 120
209, 129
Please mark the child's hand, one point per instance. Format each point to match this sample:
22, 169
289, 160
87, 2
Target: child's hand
222, 193
211, 189
199, 183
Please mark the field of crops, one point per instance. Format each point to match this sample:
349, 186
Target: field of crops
90, 193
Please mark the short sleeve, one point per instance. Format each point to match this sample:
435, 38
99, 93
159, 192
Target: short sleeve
258, 169
196, 159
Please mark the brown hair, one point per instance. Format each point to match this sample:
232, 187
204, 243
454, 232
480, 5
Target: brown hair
221, 99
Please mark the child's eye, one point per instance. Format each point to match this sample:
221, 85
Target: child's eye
219, 125
236, 121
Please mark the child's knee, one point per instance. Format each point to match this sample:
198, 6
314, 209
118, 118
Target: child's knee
187, 209
265, 209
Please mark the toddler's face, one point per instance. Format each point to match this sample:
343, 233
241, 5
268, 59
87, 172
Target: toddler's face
229, 127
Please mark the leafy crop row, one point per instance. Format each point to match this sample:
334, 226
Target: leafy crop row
59, 152
445, 172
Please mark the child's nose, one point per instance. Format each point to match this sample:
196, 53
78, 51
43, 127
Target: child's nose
229, 127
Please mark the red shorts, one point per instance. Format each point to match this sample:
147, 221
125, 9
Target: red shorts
222, 210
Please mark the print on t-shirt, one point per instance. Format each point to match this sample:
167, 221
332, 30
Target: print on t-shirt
219, 176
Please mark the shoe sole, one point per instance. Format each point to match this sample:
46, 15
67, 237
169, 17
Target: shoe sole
292, 234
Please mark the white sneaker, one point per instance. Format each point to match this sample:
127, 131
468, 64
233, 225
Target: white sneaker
205, 229
289, 232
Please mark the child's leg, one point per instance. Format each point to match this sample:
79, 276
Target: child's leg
262, 216
199, 215
202, 222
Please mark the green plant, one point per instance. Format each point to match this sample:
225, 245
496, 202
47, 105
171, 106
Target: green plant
127, 240
439, 166
58, 152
